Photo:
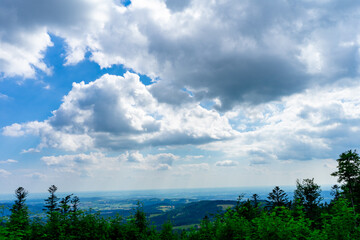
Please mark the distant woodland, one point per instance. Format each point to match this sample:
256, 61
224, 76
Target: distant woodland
305, 216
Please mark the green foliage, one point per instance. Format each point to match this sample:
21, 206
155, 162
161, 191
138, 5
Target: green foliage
281, 224
349, 173
167, 231
18, 224
247, 210
140, 218
336, 192
232, 226
348, 167
308, 194
75, 201
51, 203
278, 197
255, 198
64, 204
341, 223
245, 221
3, 230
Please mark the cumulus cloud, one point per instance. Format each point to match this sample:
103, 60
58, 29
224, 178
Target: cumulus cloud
232, 51
25, 27
317, 124
83, 164
120, 113
226, 163
87, 164
161, 161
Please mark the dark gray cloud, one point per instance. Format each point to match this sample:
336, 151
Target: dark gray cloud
25, 14
176, 6
238, 80
251, 51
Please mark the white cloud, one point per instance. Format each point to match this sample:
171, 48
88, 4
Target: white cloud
9, 161
226, 163
3, 96
161, 161
4, 173
120, 113
36, 175
25, 56
25, 28
317, 124
83, 164
49, 136
192, 158
88, 164
30, 150
312, 58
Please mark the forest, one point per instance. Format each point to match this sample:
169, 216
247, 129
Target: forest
305, 216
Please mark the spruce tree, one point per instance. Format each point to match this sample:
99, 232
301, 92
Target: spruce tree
255, 198
19, 218
277, 197
51, 203
64, 204
53, 211
75, 201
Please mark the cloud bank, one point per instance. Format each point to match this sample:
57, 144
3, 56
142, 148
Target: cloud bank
120, 113
317, 124
261, 84
229, 51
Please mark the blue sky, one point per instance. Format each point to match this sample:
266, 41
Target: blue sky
151, 94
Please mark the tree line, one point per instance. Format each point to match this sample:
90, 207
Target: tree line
303, 217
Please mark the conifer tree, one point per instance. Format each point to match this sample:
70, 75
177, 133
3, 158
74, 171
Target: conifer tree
140, 218
277, 197
51, 203
255, 198
19, 218
64, 204
53, 211
75, 204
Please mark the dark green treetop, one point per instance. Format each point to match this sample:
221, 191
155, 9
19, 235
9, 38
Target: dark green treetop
19, 218
308, 194
278, 197
51, 203
348, 167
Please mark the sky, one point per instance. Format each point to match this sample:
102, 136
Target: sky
99, 95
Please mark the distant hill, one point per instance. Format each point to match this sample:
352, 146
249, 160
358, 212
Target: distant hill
180, 211
191, 213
